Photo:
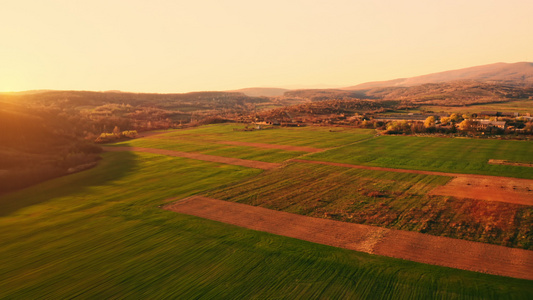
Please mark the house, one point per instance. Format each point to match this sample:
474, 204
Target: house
486, 124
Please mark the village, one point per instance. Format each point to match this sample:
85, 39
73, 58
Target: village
484, 123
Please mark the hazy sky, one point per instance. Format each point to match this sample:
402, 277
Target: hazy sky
181, 46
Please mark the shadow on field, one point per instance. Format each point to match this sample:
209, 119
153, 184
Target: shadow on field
113, 166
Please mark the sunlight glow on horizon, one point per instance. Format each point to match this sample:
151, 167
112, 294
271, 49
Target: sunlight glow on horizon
182, 46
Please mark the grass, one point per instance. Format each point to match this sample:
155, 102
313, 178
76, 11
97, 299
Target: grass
311, 136
100, 234
205, 140
386, 199
436, 154
212, 148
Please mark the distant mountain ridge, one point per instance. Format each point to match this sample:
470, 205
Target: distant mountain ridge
262, 92
520, 73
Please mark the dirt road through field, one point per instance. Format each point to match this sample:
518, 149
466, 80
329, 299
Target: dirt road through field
272, 146
198, 156
412, 246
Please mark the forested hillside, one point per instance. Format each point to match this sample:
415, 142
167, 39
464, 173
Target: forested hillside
38, 144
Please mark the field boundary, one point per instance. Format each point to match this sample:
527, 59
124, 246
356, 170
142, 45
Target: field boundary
198, 156
272, 146
414, 246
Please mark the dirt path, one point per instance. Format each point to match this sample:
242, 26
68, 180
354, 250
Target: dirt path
272, 146
198, 156
378, 168
479, 187
412, 246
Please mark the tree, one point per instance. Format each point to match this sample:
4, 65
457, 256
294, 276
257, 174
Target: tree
429, 122
465, 125
116, 131
454, 117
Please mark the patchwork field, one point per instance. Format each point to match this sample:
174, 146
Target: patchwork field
387, 199
102, 234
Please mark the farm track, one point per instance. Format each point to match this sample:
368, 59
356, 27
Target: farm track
479, 187
423, 248
198, 156
272, 146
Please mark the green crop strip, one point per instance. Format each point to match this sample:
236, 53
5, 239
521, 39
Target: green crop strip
436, 154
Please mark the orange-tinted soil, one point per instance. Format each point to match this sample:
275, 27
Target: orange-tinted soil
480, 187
502, 189
505, 162
198, 156
412, 246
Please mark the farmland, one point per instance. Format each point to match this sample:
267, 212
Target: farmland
101, 233
315, 136
386, 199
436, 154
206, 140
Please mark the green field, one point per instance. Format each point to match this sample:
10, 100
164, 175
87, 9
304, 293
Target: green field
312, 136
456, 155
204, 140
213, 148
101, 234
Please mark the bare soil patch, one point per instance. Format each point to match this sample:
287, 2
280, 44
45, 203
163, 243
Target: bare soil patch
198, 156
460, 254
479, 187
272, 146
509, 163
502, 189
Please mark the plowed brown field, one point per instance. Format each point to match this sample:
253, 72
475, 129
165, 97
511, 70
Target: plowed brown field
412, 246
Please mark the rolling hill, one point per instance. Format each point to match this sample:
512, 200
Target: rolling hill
262, 92
520, 73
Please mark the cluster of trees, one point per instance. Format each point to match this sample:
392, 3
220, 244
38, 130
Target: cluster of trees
327, 111
455, 123
117, 134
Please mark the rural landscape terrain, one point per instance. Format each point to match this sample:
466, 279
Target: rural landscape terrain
415, 188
